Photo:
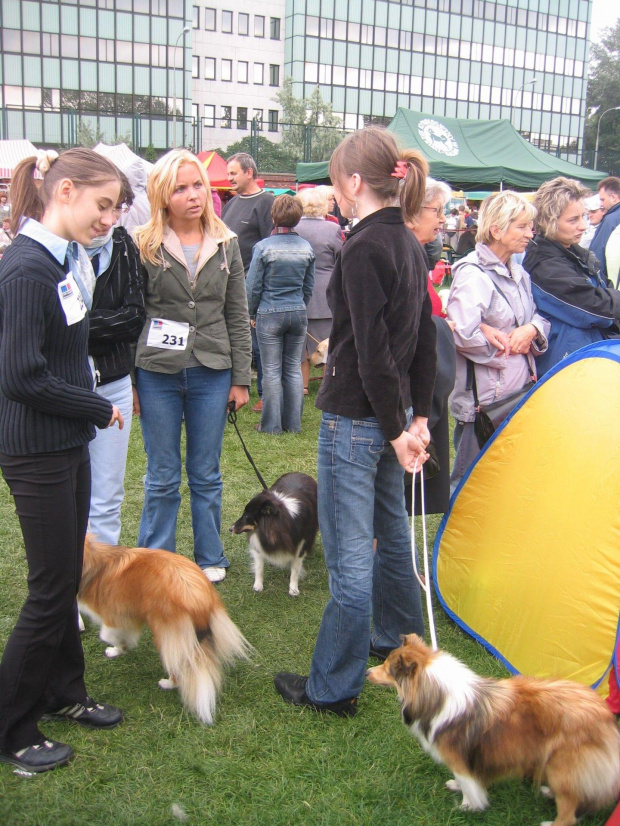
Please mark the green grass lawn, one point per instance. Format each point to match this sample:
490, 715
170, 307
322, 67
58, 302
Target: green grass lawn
263, 761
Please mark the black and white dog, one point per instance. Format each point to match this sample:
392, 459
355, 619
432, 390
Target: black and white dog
281, 524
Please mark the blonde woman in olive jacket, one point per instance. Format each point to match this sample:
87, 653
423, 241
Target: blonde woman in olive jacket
193, 356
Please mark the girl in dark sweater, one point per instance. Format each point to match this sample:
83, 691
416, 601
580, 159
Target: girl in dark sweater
381, 364
48, 414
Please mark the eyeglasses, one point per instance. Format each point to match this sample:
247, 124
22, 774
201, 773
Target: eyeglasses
120, 210
440, 211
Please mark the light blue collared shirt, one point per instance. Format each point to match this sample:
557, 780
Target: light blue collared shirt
53, 243
62, 250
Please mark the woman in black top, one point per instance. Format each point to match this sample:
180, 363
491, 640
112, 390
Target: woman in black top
48, 414
381, 363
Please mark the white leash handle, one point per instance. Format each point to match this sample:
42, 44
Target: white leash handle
425, 585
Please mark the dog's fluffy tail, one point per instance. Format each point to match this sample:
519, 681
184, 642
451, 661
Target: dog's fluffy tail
196, 659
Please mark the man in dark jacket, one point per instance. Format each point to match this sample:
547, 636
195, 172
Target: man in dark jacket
248, 214
609, 193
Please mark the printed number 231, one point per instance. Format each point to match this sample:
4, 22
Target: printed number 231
173, 340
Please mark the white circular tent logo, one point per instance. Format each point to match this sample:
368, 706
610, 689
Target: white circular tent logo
438, 137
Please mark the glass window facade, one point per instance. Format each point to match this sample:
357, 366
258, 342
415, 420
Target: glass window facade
119, 66
481, 59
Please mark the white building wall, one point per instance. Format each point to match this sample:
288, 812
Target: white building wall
247, 59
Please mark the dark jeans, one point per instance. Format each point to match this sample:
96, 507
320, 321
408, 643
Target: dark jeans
43, 663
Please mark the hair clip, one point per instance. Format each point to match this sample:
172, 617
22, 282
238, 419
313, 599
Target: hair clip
45, 158
400, 170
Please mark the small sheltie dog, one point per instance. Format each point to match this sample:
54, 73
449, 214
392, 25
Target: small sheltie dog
320, 354
281, 524
123, 589
554, 732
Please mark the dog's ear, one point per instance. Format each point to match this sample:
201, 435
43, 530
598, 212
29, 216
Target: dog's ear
402, 666
268, 509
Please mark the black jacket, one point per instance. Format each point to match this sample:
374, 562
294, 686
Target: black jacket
46, 397
382, 343
117, 315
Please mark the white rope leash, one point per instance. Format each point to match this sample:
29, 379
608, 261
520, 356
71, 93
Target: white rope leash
425, 585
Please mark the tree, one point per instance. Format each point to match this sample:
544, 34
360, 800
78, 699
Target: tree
270, 157
604, 93
310, 129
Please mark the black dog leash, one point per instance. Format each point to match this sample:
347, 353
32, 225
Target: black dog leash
232, 418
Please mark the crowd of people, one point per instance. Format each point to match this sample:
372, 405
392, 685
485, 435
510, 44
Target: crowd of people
102, 317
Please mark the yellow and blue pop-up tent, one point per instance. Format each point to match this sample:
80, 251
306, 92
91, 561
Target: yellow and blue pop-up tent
527, 559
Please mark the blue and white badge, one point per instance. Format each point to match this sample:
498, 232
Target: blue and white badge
71, 300
167, 335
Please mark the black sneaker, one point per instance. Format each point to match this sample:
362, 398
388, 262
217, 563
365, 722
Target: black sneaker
47, 755
379, 654
89, 713
292, 689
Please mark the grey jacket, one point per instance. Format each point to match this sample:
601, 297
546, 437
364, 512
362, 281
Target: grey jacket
474, 300
325, 238
215, 308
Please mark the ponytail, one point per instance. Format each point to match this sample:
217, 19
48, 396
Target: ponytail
391, 174
30, 198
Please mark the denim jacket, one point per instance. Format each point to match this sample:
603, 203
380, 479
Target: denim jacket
281, 275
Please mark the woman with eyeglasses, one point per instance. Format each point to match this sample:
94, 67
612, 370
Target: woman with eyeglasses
116, 315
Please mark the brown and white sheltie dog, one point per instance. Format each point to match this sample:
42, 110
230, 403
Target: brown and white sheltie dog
555, 732
123, 589
281, 524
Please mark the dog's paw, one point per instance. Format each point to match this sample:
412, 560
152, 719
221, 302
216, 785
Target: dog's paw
547, 823
294, 592
81, 626
453, 785
167, 683
113, 651
546, 792
258, 587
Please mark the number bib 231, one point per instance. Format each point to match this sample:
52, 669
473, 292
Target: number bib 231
167, 335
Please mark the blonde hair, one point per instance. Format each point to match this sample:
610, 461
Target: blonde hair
159, 189
500, 210
373, 153
313, 201
552, 199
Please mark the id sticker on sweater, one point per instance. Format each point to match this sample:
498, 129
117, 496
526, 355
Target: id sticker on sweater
71, 300
167, 335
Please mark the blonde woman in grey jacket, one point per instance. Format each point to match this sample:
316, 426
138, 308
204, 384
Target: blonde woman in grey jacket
494, 318
193, 356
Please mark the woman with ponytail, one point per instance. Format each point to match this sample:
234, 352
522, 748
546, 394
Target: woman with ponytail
375, 398
48, 414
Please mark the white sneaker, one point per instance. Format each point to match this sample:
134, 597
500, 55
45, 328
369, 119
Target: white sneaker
215, 574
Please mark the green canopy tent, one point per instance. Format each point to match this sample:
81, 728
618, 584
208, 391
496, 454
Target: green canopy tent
472, 154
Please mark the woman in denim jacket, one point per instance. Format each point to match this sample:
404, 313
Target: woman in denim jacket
279, 287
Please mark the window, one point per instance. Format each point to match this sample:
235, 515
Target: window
259, 25
209, 116
274, 28
226, 117
259, 72
209, 20
274, 74
195, 66
242, 73
195, 17
242, 117
226, 69
273, 120
258, 119
209, 68
227, 22
243, 24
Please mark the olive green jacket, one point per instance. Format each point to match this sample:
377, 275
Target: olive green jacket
215, 308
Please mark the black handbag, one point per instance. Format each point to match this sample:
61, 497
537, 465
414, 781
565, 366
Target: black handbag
490, 416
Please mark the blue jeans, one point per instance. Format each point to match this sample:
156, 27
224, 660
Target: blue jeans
281, 338
199, 396
361, 497
108, 458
